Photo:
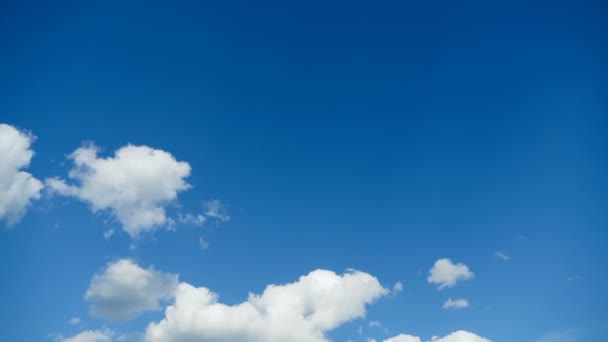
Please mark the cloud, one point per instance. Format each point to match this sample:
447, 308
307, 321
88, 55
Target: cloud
216, 209
90, 336
17, 188
203, 243
502, 256
124, 290
455, 304
460, 336
301, 311
75, 320
403, 338
375, 324
398, 287
134, 185
446, 274
457, 336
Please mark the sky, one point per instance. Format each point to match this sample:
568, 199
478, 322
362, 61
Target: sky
390, 171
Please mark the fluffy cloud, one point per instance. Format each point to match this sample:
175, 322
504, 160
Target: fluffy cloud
301, 311
17, 188
403, 338
134, 186
455, 304
90, 336
125, 290
460, 336
446, 274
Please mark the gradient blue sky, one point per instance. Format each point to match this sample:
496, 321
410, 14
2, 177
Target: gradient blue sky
379, 136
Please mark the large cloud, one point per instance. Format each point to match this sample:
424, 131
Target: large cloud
17, 188
124, 290
446, 274
135, 185
301, 311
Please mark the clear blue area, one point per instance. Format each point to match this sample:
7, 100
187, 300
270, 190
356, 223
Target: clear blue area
374, 135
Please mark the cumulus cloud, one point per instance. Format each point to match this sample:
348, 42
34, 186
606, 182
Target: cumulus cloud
90, 336
124, 290
454, 304
301, 311
403, 338
134, 185
17, 188
460, 336
446, 274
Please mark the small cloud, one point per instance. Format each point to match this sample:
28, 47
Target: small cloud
454, 304
216, 209
398, 287
375, 324
108, 233
75, 320
447, 274
203, 243
502, 256
196, 220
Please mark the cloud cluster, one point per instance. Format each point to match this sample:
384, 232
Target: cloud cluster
301, 311
134, 185
124, 290
17, 188
446, 274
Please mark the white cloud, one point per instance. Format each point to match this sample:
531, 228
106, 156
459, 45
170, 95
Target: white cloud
125, 290
457, 336
375, 324
502, 256
17, 188
403, 338
460, 336
134, 186
446, 274
455, 304
216, 209
90, 336
75, 320
301, 311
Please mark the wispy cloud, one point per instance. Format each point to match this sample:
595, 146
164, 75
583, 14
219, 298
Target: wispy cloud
502, 256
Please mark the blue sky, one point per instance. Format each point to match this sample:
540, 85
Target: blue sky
380, 137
